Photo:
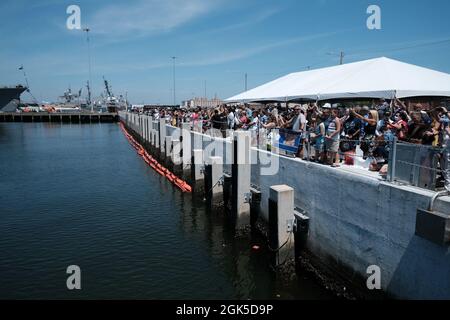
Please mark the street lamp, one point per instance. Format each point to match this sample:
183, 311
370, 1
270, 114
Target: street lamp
90, 71
174, 89
341, 56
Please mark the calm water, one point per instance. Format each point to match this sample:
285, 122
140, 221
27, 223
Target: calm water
79, 194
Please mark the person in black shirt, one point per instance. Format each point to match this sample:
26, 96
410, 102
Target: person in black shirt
352, 127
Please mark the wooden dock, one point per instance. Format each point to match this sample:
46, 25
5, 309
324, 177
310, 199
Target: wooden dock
59, 117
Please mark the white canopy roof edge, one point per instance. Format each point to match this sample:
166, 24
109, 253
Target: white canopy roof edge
375, 78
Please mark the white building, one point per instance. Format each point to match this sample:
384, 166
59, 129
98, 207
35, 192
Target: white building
202, 102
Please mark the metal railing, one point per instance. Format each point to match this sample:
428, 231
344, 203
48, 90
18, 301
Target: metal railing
416, 165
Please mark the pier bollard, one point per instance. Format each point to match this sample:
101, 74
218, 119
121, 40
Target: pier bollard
197, 170
152, 137
186, 148
214, 180
152, 129
157, 146
162, 138
136, 122
162, 133
155, 141
168, 148
281, 222
144, 123
176, 157
150, 125
147, 129
155, 134
241, 174
197, 141
143, 131
145, 120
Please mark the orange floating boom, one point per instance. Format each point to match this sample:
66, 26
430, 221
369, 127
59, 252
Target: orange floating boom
155, 165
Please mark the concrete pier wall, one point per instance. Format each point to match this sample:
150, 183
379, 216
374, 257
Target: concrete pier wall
358, 220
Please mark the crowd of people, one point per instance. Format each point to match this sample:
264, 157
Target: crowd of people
330, 133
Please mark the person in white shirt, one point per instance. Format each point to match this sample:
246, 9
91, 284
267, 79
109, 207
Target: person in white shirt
231, 120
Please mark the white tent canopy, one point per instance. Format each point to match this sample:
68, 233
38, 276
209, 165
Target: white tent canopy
375, 78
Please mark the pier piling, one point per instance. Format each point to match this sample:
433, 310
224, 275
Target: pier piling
186, 148
241, 173
281, 222
197, 169
162, 137
168, 149
214, 180
176, 157
150, 128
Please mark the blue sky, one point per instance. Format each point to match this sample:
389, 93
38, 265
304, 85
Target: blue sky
216, 41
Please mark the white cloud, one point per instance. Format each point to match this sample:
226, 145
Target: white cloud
241, 53
213, 58
148, 17
253, 19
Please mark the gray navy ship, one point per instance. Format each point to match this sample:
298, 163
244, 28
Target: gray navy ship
10, 98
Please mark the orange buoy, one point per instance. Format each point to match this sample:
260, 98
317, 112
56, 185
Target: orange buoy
154, 164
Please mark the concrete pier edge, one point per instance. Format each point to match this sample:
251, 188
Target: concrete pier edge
357, 221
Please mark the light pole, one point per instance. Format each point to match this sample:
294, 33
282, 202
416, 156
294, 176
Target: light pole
174, 88
341, 56
206, 97
89, 61
246, 78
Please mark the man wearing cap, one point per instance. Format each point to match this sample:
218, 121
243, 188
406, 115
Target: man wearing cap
297, 123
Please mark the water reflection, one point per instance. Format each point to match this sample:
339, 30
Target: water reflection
79, 194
